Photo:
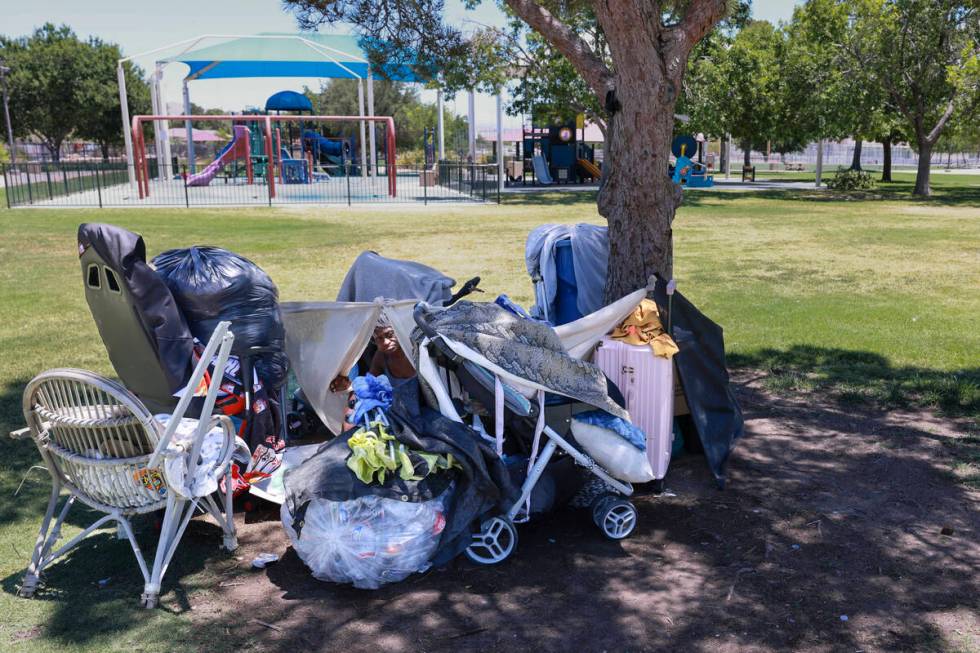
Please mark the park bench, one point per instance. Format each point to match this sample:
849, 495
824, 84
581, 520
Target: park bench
748, 173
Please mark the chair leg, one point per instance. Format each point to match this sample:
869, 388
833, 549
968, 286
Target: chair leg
44, 541
228, 525
175, 519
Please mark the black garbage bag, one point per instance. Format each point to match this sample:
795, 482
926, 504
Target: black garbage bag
211, 284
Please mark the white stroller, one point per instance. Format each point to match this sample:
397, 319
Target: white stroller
454, 371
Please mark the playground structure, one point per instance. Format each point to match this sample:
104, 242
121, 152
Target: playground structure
553, 155
688, 172
260, 147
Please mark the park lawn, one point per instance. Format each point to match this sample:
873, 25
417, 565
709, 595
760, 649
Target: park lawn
872, 301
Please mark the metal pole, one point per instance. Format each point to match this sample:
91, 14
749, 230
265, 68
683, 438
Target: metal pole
164, 125
500, 143
6, 113
370, 106
98, 184
441, 125
472, 126
819, 163
190, 129
360, 108
127, 126
157, 144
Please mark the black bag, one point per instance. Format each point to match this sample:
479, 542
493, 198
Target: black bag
211, 284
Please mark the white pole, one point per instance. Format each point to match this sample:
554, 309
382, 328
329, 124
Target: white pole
127, 135
360, 107
472, 126
188, 126
819, 163
370, 104
442, 126
157, 145
500, 141
164, 126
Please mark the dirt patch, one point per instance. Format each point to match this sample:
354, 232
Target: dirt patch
839, 530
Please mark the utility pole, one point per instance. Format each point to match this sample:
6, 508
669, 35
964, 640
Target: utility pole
6, 111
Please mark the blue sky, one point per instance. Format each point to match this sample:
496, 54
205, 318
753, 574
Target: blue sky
140, 25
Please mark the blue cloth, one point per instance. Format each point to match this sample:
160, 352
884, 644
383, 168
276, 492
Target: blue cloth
372, 392
629, 432
503, 301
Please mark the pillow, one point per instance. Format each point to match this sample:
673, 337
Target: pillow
617, 456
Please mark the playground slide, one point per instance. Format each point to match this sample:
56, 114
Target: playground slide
237, 148
590, 168
541, 170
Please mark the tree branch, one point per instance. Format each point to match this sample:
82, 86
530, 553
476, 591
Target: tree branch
576, 50
699, 19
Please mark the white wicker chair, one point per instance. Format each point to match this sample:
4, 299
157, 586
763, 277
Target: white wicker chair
102, 445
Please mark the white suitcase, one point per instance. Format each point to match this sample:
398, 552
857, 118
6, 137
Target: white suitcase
647, 383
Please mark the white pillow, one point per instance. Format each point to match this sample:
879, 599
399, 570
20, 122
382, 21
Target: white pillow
617, 456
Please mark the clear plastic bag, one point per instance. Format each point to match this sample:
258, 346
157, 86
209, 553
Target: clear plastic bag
369, 541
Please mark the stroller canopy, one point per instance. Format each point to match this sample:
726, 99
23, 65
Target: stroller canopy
372, 276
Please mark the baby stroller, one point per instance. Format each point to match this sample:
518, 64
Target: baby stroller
466, 383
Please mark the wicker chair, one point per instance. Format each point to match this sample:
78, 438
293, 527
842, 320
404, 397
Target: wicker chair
102, 445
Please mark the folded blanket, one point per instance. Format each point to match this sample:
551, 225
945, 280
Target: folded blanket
527, 349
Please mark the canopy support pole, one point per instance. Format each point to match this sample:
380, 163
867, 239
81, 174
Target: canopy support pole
370, 102
190, 130
472, 126
164, 125
442, 126
157, 144
500, 141
360, 108
127, 128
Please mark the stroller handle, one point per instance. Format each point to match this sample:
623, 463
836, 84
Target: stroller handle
422, 319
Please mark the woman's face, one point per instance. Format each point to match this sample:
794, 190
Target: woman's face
384, 338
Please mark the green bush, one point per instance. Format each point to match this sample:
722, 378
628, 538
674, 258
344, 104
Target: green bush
851, 180
4, 154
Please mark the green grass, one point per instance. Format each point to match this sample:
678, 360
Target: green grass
872, 301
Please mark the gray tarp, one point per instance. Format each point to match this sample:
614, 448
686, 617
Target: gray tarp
590, 251
372, 276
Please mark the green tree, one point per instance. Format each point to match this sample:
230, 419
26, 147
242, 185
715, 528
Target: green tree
924, 55
97, 95
737, 88
45, 70
635, 71
339, 97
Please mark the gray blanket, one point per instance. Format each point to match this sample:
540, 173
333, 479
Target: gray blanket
373, 275
525, 348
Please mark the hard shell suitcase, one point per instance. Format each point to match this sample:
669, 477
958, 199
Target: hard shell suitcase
647, 384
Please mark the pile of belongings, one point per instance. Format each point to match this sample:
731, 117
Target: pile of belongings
393, 494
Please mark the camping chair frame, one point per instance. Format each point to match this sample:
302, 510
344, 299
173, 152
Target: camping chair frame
497, 537
101, 444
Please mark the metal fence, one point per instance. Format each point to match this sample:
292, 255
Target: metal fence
106, 184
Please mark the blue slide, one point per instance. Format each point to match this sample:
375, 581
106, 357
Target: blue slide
541, 170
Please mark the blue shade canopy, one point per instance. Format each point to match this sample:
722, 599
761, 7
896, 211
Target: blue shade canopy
288, 101
281, 54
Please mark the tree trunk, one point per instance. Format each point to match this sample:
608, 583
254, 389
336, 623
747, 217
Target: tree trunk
886, 163
856, 159
104, 146
747, 154
637, 197
922, 173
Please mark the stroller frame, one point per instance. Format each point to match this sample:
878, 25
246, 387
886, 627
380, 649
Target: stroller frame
497, 537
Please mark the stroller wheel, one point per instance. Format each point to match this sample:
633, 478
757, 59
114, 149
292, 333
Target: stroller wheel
496, 540
615, 516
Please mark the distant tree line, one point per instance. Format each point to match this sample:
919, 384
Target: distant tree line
65, 87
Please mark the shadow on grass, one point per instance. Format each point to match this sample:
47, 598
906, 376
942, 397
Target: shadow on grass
555, 197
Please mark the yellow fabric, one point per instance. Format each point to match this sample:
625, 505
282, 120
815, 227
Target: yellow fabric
376, 452
643, 327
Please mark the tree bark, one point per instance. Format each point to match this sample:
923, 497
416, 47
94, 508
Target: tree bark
856, 159
922, 172
886, 163
747, 154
